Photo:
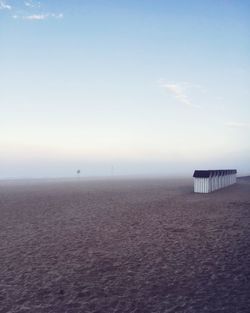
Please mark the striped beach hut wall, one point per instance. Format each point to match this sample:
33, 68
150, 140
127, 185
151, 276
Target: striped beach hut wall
206, 181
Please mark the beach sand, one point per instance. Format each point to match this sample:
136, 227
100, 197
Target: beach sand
123, 245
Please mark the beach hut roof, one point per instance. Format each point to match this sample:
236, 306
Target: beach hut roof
209, 173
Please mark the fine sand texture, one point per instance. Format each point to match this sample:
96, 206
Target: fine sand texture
131, 245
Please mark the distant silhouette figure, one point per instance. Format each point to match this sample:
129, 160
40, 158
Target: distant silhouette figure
78, 172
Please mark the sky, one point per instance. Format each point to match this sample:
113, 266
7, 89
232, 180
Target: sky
124, 87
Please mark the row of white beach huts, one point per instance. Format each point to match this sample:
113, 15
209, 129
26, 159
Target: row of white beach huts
206, 181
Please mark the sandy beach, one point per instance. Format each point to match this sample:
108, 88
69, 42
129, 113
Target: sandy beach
123, 245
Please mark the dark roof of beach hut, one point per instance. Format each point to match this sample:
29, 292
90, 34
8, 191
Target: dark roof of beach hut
209, 173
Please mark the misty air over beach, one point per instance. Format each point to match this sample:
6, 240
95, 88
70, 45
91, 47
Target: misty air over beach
124, 156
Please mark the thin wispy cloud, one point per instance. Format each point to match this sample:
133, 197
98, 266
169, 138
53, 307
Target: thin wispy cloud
35, 17
32, 4
29, 10
5, 6
39, 17
57, 16
179, 91
237, 125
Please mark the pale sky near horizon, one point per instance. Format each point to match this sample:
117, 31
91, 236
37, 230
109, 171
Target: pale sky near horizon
148, 87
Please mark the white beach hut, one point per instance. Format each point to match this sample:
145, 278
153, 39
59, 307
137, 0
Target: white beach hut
206, 181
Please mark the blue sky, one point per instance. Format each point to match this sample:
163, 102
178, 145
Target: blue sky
150, 87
